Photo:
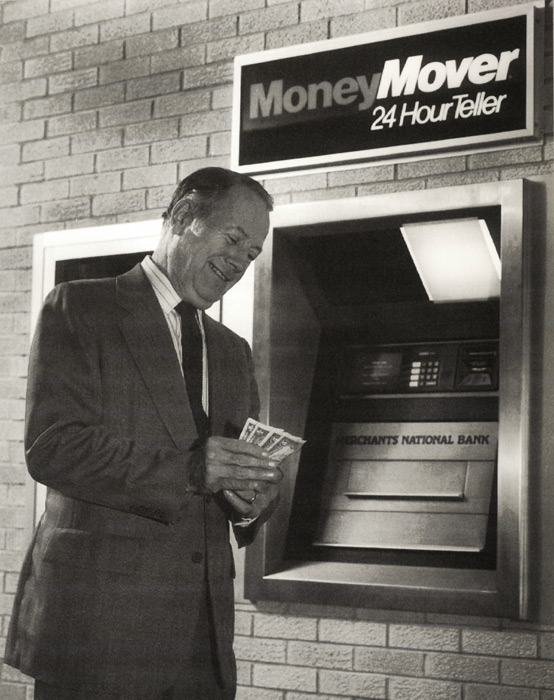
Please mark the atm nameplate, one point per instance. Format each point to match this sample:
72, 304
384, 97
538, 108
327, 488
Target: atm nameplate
415, 441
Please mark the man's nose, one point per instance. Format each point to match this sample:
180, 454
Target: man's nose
238, 261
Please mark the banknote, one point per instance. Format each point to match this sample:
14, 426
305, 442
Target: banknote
248, 429
276, 441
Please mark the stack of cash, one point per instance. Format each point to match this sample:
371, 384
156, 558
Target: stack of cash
278, 443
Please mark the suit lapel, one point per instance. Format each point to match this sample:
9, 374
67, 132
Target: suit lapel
145, 330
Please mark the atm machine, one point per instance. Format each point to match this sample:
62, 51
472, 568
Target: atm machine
391, 332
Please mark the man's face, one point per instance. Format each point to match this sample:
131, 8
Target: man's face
209, 255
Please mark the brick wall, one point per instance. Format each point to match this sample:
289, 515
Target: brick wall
105, 106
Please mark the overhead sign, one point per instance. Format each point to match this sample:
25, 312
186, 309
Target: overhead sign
441, 85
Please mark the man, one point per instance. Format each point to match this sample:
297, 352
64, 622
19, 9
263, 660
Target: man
126, 592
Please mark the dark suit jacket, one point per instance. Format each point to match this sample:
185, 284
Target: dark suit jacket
110, 588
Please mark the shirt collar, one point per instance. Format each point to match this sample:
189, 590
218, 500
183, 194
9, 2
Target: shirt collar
166, 294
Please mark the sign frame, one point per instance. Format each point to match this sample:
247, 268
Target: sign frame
533, 63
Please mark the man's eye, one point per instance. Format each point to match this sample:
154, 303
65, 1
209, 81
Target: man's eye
231, 239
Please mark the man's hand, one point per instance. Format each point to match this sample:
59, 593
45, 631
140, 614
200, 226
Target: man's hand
231, 466
256, 504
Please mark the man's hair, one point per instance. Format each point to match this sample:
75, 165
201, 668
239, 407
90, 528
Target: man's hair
211, 183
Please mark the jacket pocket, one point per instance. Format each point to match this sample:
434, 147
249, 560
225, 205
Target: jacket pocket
92, 550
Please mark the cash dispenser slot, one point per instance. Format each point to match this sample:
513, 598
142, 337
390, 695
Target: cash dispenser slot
406, 480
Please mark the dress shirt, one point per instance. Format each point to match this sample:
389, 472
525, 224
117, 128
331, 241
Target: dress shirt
168, 299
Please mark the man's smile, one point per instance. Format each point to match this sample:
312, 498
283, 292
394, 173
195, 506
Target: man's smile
218, 272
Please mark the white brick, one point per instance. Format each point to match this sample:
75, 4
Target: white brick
323, 9
148, 44
49, 148
69, 166
390, 661
424, 637
226, 7
362, 685
183, 13
49, 24
152, 175
353, 632
181, 58
98, 140
281, 626
72, 123
68, 210
297, 34
95, 184
46, 106
72, 38
125, 114
462, 668
119, 203
151, 131
419, 689
430, 10
180, 149
122, 158
318, 655
269, 18
260, 650
491, 692
75, 80
99, 11
530, 674
8, 196
499, 643
23, 90
285, 677
246, 693
370, 21
23, 9
183, 103
124, 27
45, 65
44, 191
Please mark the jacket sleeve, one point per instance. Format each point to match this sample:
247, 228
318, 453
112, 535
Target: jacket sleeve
67, 445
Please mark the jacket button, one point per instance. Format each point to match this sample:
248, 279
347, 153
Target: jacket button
197, 557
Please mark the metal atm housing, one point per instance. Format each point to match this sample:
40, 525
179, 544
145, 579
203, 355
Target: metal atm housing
410, 490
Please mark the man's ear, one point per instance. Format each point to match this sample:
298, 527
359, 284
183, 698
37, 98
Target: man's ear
181, 215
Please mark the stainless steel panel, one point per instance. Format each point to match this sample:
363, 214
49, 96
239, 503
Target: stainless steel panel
407, 479
425, 531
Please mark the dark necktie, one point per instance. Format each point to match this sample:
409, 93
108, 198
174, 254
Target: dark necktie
191, 342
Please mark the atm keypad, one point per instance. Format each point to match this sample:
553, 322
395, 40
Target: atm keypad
424, 373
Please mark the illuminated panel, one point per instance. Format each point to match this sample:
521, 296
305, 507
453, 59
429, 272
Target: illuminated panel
456, 259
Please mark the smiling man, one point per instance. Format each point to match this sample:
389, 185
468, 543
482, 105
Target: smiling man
135, 402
